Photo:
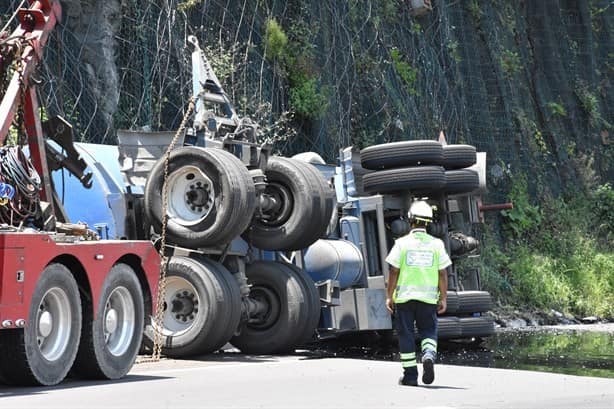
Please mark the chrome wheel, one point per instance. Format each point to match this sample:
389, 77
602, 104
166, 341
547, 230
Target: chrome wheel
181, 306
53, 321
119, 321
191, 195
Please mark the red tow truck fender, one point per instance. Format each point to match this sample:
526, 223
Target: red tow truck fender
23, 256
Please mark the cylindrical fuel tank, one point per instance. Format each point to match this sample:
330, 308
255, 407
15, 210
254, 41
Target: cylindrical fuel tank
337, 260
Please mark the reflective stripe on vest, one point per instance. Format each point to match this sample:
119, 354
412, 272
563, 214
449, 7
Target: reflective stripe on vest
415, 292
419, 270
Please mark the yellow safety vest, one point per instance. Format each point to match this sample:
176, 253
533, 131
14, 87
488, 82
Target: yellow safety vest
419, 269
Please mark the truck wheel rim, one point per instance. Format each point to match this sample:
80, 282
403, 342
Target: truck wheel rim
191, 196
269, 299
283, 204
182, 305
119, 321
53, 321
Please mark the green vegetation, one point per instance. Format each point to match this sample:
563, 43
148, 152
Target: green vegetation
603, 208
307, 100
558, 252
388, 9
475, 10
416, 28
453, 50
531, 132
524, 217
275, 39
557, 109
293, 55
590, 105
510, 63
408, 74
597, 8
188, 5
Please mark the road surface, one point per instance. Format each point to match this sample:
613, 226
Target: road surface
238, 381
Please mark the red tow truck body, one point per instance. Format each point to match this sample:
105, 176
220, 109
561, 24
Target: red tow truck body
23, 256
118, 276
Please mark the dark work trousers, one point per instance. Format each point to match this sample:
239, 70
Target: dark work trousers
425, 318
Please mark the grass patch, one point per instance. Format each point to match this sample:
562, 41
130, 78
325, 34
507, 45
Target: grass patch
554, 254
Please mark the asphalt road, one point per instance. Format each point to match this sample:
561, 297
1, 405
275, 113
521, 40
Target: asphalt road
237, 381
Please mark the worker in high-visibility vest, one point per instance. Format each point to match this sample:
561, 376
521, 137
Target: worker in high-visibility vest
417, 287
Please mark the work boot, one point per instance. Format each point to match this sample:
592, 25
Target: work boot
407, 381
428, 364
410, 377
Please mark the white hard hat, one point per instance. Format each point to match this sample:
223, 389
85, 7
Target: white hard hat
420, 210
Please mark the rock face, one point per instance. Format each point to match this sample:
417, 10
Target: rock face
90, 77
528, 81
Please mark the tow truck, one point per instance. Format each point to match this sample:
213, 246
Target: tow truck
69, 300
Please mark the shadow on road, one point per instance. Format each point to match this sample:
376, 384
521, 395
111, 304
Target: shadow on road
442, 387
12, 391
236, 357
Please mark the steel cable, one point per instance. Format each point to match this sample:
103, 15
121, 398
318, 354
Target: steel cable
17, 171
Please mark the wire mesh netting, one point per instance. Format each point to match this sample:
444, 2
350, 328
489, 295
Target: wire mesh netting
527, 82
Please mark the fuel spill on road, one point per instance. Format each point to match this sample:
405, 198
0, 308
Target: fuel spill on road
579, 351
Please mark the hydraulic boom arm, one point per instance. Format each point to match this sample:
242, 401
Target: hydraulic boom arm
22, 50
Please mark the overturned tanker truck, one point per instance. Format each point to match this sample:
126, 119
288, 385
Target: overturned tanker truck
267, 252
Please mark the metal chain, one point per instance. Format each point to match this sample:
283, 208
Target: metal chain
158, 318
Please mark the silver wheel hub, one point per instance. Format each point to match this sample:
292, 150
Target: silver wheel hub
182, 305
110, 321
191, 195
119, 324
54, 323
45, 324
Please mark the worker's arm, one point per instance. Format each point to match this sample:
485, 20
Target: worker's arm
393, 277
443, 291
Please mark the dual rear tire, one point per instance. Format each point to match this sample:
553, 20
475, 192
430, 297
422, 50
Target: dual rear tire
61, 335
292, 313
111, 341
302, 210
203, 307
212, 199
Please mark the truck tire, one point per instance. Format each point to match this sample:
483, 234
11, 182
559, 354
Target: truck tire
474, 301
275, 331
459, 156
402, 154
194, 299
418, 180
477, 326
328, 203
111, 341
312, 300
297, 220
44, 351
448, 328
461, 181
211, 197
452, 303
227, 321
